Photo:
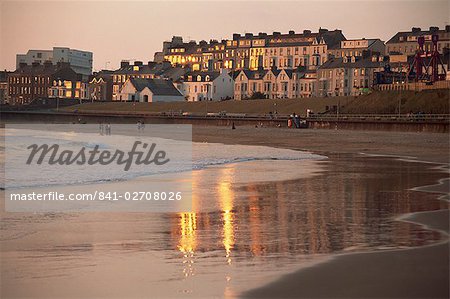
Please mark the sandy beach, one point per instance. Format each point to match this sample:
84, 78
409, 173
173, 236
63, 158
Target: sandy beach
391, 241
431, 147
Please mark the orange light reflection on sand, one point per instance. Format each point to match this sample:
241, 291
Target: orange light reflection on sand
187, 243
226, 197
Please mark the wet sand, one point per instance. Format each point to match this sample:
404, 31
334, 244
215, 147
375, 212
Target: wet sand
413, 273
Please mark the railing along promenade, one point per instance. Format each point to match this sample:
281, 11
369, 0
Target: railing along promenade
420, 122
382, 117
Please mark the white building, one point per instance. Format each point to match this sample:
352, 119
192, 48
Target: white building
149, 90
210, 86
80, 61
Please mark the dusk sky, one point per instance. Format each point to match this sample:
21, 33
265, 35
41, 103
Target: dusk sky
116, 30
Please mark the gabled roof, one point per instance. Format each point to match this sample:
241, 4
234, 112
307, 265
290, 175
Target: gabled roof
274, 71
251, 75
288, 72
104, 75
156, 86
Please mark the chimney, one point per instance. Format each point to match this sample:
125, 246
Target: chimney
434, 29
416, 29
151, 64
248, 35
323, 30
262, 34
236, 36
306, 32
276, 33
139, 63
291, 32
447, 28
124, 63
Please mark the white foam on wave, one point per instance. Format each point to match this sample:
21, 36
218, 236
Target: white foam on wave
203, 155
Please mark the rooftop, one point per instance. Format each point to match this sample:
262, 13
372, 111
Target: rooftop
156, 86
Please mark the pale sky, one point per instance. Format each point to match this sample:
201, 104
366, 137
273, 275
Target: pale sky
116, 30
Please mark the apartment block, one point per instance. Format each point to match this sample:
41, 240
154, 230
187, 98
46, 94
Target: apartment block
349, 75
275, 84
406, 42
37, 81
249, 51
80, 61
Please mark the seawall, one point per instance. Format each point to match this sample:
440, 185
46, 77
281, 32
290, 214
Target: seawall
341, 124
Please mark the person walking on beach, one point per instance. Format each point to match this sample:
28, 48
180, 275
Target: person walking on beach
138, 124
142, 126
108, 129
101, 128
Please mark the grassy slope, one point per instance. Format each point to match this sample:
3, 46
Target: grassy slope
436, 101
429, 101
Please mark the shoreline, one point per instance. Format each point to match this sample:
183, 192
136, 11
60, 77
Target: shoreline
420, 272
395, 265
430, 147
340, 270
